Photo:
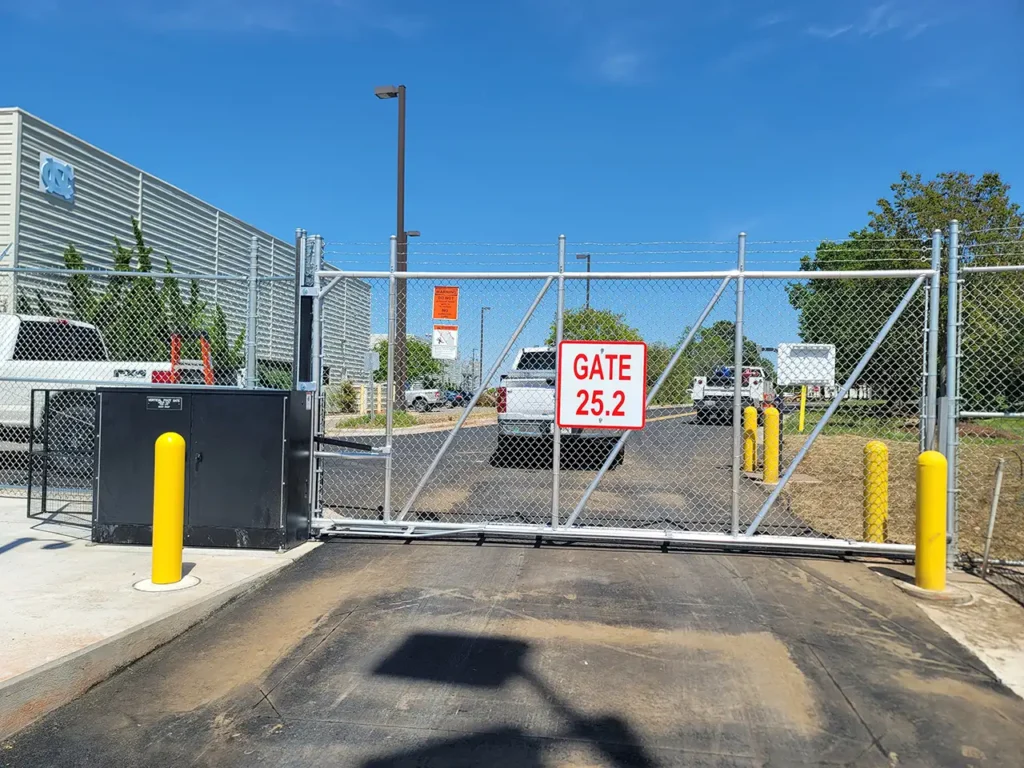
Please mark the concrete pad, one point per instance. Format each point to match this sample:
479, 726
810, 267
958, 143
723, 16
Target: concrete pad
71, 616
991, 626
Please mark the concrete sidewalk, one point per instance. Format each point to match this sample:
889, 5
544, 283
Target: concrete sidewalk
71, 616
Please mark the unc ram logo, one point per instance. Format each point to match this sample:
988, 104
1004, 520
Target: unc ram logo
56, 177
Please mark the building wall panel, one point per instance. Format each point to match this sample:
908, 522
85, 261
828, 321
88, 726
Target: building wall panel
193, 235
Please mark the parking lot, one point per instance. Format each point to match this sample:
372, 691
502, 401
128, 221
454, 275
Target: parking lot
676, 474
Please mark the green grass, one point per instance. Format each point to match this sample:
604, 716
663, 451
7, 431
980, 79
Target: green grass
1015, 426
854, 421
401, 419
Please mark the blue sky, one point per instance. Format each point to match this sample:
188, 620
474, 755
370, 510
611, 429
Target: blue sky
608, 120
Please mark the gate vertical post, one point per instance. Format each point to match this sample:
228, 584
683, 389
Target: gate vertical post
303, 313
952, 387
556, 433
737, 387
932, 369
250, 315
316, 376
389, 397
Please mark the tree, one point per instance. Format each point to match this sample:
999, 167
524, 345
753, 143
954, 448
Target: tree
849, 313
588, 324
420, 363
137, 318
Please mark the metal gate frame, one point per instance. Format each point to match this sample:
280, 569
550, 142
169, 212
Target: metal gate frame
397, 526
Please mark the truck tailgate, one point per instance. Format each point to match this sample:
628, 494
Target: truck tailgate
529, 399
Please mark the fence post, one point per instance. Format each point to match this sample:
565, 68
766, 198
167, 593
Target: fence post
932, 364
250, 318
556, 433
737, 386
389, 402
302, 314
993, 509
952, 395
316, 364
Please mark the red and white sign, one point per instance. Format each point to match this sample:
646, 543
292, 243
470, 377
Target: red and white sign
601, 384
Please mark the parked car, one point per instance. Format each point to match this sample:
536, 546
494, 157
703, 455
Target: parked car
457, 398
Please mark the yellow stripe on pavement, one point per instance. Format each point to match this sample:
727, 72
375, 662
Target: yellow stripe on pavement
672, 416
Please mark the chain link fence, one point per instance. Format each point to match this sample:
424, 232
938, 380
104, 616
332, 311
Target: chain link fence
76, 329
990, 503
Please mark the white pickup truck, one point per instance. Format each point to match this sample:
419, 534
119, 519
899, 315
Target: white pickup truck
526, 395
526, 411
52, 350
713, 394
422, 399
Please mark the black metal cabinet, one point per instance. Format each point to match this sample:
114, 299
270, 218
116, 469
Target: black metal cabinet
247, 465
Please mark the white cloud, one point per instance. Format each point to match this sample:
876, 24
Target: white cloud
621, 67
828, 33
910, 18
770, 20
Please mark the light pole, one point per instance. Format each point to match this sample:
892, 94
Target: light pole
587, 257
391, 92
480, 376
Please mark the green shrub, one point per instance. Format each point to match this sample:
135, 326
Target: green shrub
342, 398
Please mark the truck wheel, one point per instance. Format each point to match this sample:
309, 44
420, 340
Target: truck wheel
420, 405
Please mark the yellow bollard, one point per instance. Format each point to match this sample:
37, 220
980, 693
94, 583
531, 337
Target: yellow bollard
803, 407
749, 438
876, 491
930, 555
168, 507
771, 446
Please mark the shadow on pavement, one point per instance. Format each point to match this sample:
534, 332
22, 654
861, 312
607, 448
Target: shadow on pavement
493, 662
537, 453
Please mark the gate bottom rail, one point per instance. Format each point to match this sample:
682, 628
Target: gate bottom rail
428, 529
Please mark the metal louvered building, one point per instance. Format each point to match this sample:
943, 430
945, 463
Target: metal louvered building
56, 189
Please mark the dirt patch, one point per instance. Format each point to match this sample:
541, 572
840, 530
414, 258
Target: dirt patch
741, 678
836, 506
443, 500
975, 695
265, 632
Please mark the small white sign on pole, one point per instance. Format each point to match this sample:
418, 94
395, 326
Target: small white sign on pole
601, 385
806, 364
445, 345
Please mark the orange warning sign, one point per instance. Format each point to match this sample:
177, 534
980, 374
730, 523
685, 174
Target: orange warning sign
446, 302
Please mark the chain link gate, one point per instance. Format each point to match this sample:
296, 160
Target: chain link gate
483, 467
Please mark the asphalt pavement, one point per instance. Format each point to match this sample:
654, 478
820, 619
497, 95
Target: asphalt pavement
438, 654
676, 474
